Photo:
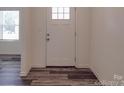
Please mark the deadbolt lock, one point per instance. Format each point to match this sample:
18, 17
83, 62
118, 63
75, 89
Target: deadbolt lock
47, 39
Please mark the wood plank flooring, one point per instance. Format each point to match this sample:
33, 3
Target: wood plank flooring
50, 76
66, 76
10, 71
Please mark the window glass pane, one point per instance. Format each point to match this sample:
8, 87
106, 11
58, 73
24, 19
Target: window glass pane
11, 35
60, 16
1, 17
9, 28
16, 18
16, 29
16, 34
1, 28
60, 10
66, 10
54, 10
54, 16
66, 16
1, 31
10, 18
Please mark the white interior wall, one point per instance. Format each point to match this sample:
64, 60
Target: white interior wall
39, 33
83, 19
26, 41
107, 43
106, 49
39, 37
10, 47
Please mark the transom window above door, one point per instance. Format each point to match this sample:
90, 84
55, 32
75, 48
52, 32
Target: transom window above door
9, 25
61, 13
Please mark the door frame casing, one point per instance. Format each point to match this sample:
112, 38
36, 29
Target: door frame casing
75, 58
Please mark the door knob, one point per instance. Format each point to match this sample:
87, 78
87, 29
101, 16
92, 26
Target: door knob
48, 34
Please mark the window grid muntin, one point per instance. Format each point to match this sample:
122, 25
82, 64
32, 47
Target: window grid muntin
58, 13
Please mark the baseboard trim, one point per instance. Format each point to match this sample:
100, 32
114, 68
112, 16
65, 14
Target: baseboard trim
38, 66
22, 74
25, 73
96, 75
77, 66
60, 66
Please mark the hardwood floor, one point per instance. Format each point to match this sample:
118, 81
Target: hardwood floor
50, 76
10, 71
56, 76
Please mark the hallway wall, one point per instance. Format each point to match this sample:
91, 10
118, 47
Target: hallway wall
10, 47
100, 44
39, 37
39, 33
26, 41
107, 43
83, 23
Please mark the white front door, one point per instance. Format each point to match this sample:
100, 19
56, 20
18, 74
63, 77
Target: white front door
60, 36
